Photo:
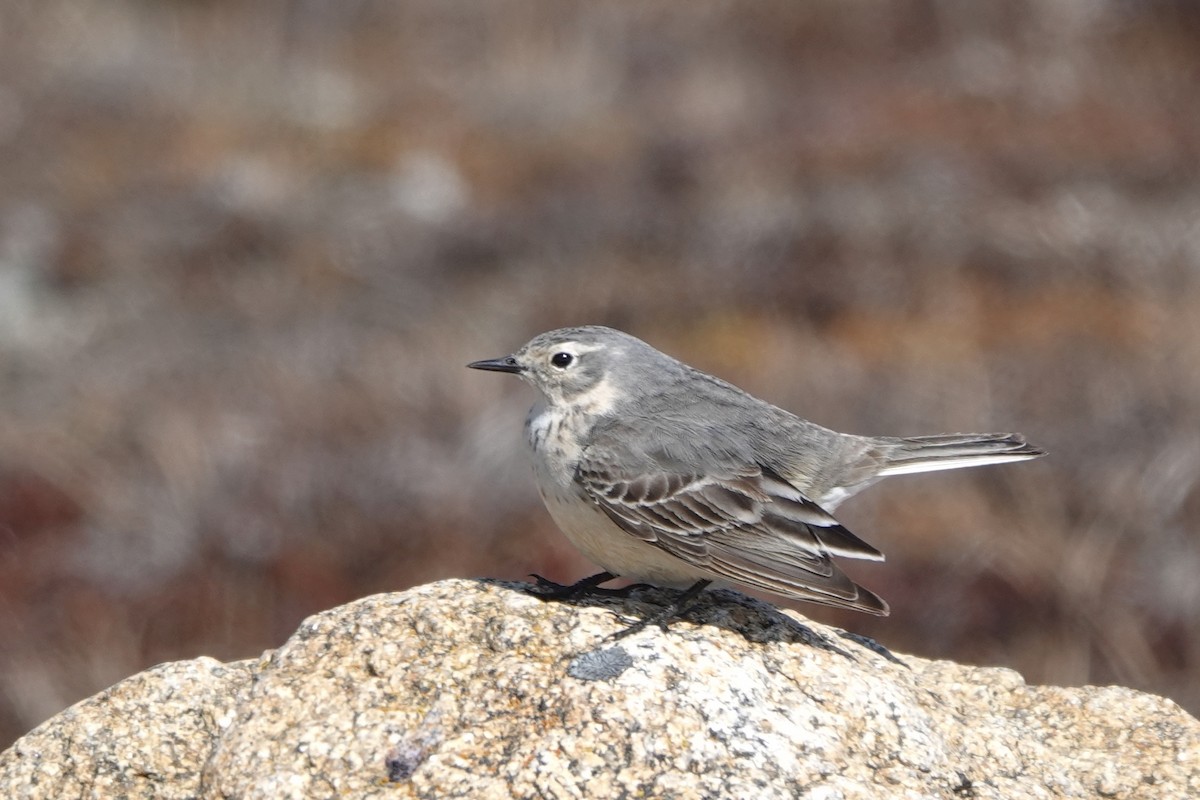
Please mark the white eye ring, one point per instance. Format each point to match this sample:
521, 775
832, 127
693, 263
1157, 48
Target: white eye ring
562, 360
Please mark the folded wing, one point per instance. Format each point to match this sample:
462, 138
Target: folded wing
747, 525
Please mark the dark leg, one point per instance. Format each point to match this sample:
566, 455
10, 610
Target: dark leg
676, 608
549, 590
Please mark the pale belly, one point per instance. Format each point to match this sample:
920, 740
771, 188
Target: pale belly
607, 545
585, 524
589, 528
618, 552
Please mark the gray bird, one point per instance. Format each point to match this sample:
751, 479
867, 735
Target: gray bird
660, 472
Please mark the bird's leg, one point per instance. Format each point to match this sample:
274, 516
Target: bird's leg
549, 590
676, 608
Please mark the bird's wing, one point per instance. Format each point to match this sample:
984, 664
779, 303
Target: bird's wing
746, 524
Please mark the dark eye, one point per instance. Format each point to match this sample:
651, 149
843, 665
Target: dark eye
562, 360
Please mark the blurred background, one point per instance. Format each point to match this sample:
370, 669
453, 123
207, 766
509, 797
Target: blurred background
247, 248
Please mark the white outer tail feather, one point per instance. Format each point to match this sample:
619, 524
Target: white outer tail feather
934, 464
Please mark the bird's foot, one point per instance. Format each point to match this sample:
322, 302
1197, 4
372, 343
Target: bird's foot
549, 590
678, 607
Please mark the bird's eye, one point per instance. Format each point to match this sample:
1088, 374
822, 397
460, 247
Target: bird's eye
562, 360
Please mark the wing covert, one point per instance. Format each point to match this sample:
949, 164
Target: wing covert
746, 524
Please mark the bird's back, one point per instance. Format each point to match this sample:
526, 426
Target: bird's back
685, 417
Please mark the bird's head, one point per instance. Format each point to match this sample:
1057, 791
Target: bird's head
578, 367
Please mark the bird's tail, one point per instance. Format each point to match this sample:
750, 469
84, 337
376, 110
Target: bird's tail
953, 450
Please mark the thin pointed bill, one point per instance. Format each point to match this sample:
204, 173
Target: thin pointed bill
505, 364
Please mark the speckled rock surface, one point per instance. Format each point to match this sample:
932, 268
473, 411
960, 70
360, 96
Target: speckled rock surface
472, 689
147, 737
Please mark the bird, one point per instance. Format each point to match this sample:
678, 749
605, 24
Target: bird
661, 473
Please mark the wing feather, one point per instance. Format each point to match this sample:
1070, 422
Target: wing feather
749, 525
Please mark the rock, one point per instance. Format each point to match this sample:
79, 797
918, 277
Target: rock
148, 736
476, 689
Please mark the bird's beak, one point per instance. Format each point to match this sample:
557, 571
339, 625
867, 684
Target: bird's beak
505, 364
